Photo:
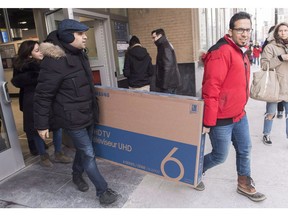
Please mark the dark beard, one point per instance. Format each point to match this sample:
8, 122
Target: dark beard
241, 45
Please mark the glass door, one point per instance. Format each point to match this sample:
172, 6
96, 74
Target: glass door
100, 56
11, 158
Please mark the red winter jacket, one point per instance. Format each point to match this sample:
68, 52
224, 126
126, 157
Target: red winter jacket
225, 87
257, 51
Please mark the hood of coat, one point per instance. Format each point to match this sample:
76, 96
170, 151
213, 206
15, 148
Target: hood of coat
50, 50
271, 36
138, 52
52, 47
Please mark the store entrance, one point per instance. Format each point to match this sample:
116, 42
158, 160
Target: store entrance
99, 43
11, 158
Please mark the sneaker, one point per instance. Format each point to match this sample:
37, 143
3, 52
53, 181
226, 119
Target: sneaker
60, 157
81, 184
267, 140
45, 161
108, 197
200, 186
280, 114
246, 187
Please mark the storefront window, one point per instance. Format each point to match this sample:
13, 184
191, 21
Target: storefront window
91, 42
16, 24
122, 38
3, 30
214, 24
119, 11
53, 18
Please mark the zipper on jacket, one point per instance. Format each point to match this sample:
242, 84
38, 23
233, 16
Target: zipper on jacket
75, 87
247, 84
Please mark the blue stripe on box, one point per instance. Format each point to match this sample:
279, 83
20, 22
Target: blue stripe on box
173, 160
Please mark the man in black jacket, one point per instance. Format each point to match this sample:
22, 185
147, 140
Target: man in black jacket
65, 84
137, 66
167, 73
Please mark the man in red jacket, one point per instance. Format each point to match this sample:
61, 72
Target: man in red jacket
256, 54
225, 92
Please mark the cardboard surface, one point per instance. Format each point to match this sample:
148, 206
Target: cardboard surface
152, 132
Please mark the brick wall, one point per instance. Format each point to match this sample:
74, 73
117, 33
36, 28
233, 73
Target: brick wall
177, 23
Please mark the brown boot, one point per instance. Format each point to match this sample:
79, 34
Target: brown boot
45, 161
60, 157
246, 187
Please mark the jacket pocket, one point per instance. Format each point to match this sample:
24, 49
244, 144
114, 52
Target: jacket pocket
78, 114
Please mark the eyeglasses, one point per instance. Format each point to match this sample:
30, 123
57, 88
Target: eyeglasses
241, 30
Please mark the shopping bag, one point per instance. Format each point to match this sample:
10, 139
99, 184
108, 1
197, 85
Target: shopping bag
265, 86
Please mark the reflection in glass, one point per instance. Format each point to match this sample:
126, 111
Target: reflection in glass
4, 142
53, 18
91, 42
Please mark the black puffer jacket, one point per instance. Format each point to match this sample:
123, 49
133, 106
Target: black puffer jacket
167, 72
65, 84
138, 66
26, 80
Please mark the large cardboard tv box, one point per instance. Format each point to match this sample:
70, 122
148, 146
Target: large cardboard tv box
152, 132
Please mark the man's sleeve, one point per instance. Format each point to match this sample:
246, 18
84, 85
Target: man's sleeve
49, 81
215, 71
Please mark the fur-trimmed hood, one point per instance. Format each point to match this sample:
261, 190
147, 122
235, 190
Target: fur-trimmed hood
52, 47
51, 50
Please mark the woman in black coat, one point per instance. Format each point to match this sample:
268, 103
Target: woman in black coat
26, 67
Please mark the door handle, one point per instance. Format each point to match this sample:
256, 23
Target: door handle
5, 92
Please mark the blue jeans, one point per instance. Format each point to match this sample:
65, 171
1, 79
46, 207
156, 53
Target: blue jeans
85, 157
221, 137
57, 141
40, 144
271, 109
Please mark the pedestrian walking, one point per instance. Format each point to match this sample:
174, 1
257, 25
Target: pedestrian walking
225, 92
168, 77
137, 66
275, 56
26, 67
65, 97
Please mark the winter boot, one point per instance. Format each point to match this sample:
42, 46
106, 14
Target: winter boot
80, 183
60, 157
246, 187
45, 161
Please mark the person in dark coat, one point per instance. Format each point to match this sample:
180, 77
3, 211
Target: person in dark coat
26, 67
137, 66
167, 73
25, 77
65, 98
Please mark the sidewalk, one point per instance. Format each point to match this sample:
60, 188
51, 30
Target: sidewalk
38, 187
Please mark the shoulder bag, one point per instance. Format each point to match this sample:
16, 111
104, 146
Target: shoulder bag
265, 86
